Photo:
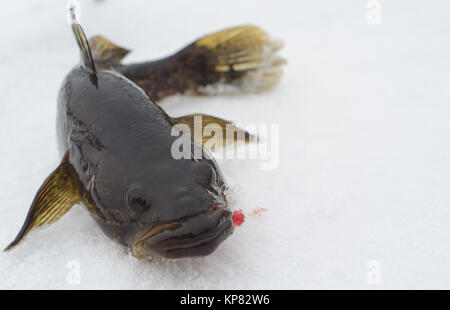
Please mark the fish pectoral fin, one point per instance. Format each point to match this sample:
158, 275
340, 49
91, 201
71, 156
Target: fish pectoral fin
58, 193
213, 132
105, 52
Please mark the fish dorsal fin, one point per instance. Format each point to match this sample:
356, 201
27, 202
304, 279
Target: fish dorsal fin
86, 56
59, 192
105, 52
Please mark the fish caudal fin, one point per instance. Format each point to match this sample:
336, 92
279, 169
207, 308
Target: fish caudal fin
236, 60
58, 193
212, 132
245, 59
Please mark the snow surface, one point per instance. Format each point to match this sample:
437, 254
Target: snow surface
364, 170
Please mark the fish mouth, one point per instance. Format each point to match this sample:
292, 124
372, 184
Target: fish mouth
195, 236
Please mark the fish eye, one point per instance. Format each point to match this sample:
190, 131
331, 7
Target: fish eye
136, 200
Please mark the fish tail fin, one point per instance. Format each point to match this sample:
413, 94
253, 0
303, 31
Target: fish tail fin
236, 60
244, 60
56, 196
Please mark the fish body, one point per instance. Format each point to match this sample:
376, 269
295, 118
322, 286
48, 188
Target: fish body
116, 143
119, 143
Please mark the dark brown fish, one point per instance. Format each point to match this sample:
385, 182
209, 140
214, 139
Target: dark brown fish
116, 143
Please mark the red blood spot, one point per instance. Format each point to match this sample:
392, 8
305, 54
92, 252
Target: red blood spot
258, 211
238, 218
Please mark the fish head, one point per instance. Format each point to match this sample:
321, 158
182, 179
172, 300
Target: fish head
184, 220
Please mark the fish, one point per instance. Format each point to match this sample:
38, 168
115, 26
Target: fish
115, 142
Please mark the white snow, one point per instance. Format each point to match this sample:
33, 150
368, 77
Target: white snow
364, 175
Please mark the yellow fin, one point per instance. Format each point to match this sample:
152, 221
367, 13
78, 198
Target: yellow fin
105, 52
58, 193
246, 57
214, 131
